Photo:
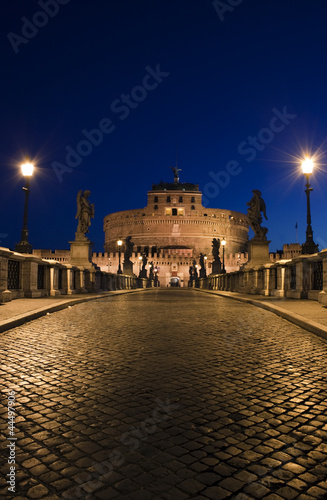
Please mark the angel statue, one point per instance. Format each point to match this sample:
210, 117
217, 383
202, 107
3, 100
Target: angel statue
256, 207
215, 249
144, 261
128, 248
85, 211
176, 174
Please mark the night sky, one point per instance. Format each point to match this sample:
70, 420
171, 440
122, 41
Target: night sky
241, 81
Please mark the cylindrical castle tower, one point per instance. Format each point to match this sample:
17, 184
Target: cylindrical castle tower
175, 218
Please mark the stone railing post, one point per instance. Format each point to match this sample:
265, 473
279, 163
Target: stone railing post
322, 297
30, 277
5, 294
298, 287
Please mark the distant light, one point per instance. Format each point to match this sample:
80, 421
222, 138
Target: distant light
27, 169
205, 257
140, 258
119, 243
223, 242
307, 166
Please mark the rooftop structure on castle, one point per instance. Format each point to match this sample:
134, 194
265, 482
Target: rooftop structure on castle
175, 186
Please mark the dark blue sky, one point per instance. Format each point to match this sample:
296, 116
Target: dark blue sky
254, 73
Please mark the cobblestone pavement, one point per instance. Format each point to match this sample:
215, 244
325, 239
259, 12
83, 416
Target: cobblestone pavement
169, 394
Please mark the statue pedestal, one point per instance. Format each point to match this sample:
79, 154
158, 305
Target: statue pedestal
216, 267
258, 251
128, 268
143, 273
203, 273
81, 253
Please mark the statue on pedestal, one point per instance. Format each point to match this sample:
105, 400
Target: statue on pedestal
216, 263
85, 212
195, 270
128, 249
190, 281
151, 270
215, 249
176, 174
203, 272
144, 261
256, 206
80, 248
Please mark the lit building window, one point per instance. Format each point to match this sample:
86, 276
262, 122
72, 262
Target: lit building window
180, 211
168, 211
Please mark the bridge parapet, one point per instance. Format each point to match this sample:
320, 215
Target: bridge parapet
27, 275
303, 277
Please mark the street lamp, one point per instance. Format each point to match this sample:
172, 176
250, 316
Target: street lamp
309, 246
119, 243
23, 246
223, 242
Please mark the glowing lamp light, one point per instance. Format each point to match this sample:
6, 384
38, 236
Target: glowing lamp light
140, 258
27, 169
119, 243
223, 242
307, 166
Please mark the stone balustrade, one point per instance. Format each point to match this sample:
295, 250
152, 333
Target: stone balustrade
303, 277
25, 275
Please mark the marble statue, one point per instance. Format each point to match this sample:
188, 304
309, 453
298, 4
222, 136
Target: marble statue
85, 212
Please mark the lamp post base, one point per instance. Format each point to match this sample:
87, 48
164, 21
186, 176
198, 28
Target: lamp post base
23, 247
309, 247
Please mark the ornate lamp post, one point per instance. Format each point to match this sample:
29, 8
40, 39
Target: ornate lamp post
23, 246
205, 262
223, 242
309, 246
119, 243
140, 265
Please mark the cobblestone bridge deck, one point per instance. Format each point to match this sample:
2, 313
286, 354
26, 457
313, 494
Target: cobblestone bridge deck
165, 394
